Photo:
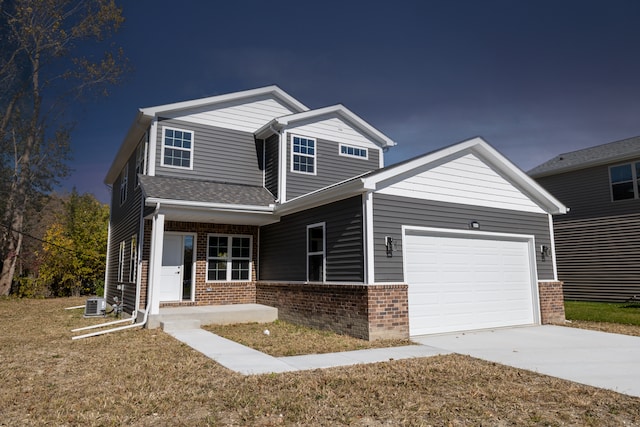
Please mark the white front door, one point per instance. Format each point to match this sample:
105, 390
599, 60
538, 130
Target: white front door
171, 282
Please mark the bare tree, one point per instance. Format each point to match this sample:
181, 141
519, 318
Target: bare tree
41, 70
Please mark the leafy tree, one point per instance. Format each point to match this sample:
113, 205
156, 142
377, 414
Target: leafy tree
72, 261
42, 69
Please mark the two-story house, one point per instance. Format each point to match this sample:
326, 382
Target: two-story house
597, 255
251, 197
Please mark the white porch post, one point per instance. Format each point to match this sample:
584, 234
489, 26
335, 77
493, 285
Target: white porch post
157, 240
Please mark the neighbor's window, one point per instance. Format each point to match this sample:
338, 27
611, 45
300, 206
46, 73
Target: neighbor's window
124, 182
228, 258
624, 181
303, 155
315, 253
351, 151
177, 148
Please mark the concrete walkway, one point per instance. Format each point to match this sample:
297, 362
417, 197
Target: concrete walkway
248, 361
593, 358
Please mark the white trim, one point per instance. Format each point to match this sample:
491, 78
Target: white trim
229, 258
152, 201
108, 258
153, 145
323, 252
369, 242
183, 234
190, 150
355, 147
314, 156
448, 232
282, 166
553, 248
155, 264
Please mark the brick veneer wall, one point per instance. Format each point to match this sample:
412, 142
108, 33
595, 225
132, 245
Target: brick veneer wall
551, 303
368, 312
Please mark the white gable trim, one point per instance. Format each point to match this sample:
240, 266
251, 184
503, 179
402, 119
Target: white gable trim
478, 147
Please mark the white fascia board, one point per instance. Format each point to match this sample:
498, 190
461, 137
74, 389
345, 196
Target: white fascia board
128, 146
481, 148
153, 201
235, 96
344, 113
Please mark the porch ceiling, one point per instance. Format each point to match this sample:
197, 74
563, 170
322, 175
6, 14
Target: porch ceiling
217, 216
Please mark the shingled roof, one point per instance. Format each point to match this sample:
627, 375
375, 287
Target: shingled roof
206, 192
601, 154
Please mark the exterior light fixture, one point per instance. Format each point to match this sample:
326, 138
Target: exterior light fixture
474, 225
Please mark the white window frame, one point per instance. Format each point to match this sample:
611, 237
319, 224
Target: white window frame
121, 255
133, 259
190, 150
355, 156
314, 156
124, 184
635, 180
229, 259
141, 159
323, 252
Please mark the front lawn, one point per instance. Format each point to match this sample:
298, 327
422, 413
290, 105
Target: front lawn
620, 318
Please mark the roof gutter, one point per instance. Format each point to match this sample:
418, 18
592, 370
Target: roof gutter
151, 201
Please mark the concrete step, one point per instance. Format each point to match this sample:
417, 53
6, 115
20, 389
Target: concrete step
179, 325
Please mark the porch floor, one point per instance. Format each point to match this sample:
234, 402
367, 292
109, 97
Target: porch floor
172, 317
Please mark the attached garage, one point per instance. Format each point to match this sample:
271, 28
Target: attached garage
464, 280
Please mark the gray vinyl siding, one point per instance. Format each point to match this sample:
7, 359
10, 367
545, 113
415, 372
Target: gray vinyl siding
587, 193
272, 151
599, 259
283, 246
331, 167
223, 155
124, 223
392, 212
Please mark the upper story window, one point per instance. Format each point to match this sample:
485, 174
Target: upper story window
177, 148
124, 183
303, 155
228, 258
141, 164
351, 151
625, 181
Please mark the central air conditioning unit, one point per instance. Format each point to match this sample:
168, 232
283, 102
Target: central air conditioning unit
95, 307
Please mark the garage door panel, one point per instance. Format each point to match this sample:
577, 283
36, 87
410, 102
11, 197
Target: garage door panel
458, 283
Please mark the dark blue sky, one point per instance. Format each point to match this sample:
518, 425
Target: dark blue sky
534, 78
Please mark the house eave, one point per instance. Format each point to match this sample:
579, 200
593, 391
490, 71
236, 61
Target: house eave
129, 144
322, 197
194, 211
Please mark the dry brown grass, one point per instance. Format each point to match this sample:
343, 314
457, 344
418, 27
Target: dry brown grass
287, 339
146, 378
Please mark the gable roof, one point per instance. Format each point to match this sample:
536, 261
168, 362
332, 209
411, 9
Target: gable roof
337, 110
201, 193
601, 154
146, 115
378, 179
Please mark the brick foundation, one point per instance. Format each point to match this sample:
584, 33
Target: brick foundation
551, 303
368, 312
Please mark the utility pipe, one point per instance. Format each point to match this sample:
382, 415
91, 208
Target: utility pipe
100, 325
75, 307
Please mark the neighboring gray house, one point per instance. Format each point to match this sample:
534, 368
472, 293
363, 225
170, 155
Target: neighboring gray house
252, 197
598, 255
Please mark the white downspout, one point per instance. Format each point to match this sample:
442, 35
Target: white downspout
133, 318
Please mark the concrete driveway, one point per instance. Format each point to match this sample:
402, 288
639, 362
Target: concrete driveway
594, 358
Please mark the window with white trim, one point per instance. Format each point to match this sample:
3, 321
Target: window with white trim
177, 148
303, 155
228, 258
124, 183
351, 151
133, 259
625, 181
315, 253
121, 261
141, 163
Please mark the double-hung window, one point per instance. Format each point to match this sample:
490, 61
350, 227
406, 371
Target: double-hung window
177, 148
315, 253
121, 255
303, 155
228, 258
625, 181
141, 164
133, 259
124, 183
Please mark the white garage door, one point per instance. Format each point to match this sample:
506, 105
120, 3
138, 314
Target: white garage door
463, 282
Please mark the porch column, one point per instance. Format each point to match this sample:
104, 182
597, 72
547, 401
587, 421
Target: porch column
155, 268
